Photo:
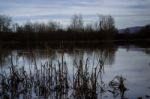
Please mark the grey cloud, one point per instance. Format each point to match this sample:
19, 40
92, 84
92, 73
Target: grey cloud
122, 10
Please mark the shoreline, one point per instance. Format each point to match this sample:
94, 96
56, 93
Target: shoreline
74, 44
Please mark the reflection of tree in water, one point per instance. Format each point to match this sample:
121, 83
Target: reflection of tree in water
88, 77
38, 54
34, 55
107, 55
4, 56
103, 56
147, 51
54, 80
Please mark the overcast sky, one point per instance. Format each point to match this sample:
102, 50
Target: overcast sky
125, 12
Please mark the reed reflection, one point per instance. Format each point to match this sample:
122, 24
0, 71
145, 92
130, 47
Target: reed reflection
48, 74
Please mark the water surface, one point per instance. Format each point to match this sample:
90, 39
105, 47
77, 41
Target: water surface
131, 63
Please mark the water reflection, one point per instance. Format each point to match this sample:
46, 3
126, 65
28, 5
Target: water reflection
60, 74
4, 56
105, 54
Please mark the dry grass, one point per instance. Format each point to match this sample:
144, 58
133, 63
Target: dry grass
54, 82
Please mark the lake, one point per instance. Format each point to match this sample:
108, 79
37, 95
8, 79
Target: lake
77, 73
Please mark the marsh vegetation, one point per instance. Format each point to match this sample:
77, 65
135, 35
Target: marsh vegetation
66, 73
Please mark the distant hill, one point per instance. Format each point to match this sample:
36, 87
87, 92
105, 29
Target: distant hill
131, 29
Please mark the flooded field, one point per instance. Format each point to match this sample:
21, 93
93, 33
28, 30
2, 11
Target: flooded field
77, 73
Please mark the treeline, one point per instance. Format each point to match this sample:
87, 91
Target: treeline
103, 29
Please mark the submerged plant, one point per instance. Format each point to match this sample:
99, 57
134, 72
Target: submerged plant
117, 85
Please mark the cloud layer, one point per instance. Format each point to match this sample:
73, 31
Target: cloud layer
126, 12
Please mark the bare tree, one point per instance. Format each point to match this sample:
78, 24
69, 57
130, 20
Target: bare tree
77, 23
5, 23
89, 28
52, 26
15, 27
36, 27
105, 23
28, 27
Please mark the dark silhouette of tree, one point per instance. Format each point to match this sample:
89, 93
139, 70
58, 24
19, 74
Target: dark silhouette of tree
53, 26
145, 32
76, 23
19, 29
88, 28
28, 27
5, 23
105, 23
15, 27
102, 29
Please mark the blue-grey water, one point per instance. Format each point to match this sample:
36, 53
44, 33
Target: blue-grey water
132, 63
